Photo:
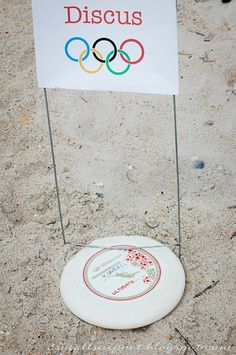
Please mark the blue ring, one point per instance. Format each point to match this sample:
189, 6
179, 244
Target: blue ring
77, 39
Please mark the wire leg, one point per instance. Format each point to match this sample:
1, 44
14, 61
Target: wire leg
177, 175
177, 171
54, 165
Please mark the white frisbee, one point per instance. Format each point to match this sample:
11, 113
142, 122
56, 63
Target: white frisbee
124, 287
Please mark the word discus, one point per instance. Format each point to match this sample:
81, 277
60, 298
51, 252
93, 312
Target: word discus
111, 46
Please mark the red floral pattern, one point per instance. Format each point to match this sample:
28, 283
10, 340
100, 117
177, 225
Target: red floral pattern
143, 262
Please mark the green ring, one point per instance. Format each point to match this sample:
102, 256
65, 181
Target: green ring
108, 64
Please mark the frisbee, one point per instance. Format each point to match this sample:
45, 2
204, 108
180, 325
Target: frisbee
123, 282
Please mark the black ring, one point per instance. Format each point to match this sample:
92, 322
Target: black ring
108, 40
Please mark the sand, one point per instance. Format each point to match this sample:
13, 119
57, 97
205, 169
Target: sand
116, 171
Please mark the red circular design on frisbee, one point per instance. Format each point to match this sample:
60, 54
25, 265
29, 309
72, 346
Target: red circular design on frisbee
123, 299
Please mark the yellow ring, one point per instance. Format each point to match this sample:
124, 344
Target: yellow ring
85, 69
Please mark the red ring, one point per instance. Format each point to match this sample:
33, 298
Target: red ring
137, 42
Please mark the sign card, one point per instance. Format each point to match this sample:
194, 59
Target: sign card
107, 45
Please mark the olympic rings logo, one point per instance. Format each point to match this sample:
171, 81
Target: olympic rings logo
99, 57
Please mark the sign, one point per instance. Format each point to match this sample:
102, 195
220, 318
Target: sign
107, 45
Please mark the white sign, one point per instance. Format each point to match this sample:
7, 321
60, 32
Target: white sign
119, 45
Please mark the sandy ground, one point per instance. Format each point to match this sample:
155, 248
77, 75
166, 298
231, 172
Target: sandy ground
115, 158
